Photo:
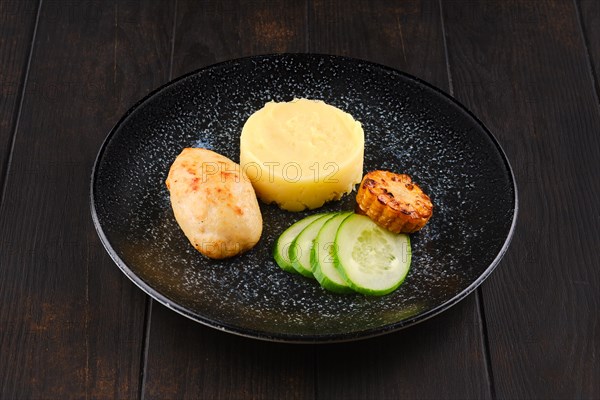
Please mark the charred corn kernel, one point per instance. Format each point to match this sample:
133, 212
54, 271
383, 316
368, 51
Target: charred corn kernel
393, 201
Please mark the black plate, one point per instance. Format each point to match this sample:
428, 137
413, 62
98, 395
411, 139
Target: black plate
410, 127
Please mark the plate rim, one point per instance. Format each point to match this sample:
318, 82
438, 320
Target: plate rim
288, 337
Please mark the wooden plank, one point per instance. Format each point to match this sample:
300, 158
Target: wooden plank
438, 359
408, 36
589, 15
214, 31
405, 35
71, 325
186, 359
17, 23
522, 68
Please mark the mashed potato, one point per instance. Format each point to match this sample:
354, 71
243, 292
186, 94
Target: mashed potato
302, 153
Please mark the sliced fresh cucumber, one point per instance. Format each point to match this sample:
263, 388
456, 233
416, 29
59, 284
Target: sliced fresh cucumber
281, 252
321, 257
303, 243
372, 260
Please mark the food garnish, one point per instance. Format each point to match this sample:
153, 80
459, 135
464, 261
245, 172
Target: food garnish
281, 252
372, 260
302, 245
393, 201
322, 256
348, 252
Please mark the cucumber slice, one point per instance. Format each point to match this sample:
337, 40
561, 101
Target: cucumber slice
321, 257
372, 260
281, 252
303, 243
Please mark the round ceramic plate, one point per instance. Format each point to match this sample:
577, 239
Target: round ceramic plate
410, 127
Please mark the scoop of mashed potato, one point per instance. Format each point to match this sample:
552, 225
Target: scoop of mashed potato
214, 203
301, 154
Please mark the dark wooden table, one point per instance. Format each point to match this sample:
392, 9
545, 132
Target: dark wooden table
73, 326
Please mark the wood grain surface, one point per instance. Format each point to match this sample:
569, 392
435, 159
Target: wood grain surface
589, 18
18, 21
527, 77
72, 326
